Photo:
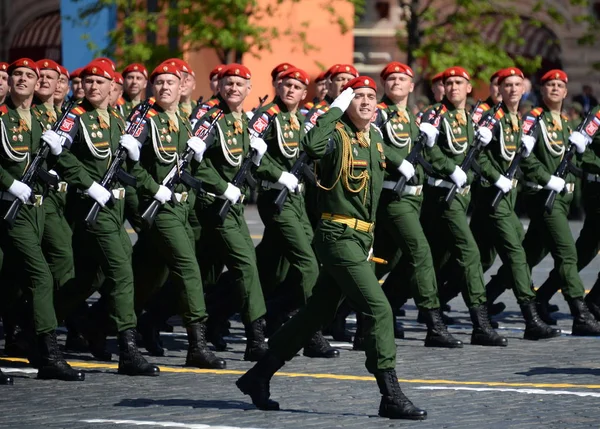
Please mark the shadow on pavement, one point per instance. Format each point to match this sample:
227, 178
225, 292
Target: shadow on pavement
570, 371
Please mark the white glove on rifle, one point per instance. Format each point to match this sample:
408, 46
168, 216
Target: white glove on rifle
430, 131
579, 140
459, 177
198, 146
163, 194
260, 146
99, 193
20, 190
343, 100
504, 184
555, 184
131, 145
288, 180
484, 135
54, 141
407, 169
232, 193
529, 143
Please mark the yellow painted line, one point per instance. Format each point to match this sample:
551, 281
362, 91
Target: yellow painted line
88, 365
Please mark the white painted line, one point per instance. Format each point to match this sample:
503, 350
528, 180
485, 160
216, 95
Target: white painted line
525, 391
21, 370
159, 424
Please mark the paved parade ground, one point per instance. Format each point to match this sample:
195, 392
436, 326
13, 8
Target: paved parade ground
545, 384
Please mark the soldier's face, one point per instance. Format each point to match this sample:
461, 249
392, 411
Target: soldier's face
48, 82
77, 85
495, 91
438, 90
3, 84
188, 84
214, 84
134, 84
363, 105
23, 82
167, 89
321, 89
457, 89
97, 89
511, 89
337, 83
292, 92
397, 86
234, 89
554, 91
62, 88
115, 93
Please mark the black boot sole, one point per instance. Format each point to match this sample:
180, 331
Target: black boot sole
205, 364
132, 372
443, 344
328, 354
488, 342
389, 413
533, 336
57, 374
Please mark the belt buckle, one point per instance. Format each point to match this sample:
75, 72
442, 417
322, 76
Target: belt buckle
514, 183
465, 191
371, 228
39, 199
419, 190
242, 198
62, 187
184, 197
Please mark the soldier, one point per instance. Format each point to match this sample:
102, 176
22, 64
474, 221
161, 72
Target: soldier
352, 163
320, 93
277, 72
3, 82
117, 101
214, 79
188, 86
229, 242
437, 87
91, 135
501, 229
62, 88
135, 81
21, 138
398, 219
446, 225
287, 234
495, 96
44, 95
77, 84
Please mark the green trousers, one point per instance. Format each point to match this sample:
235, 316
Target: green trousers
25, 264
398, 223
171, 253
449, 235
230, 243
345, 272
289, 237
57, 241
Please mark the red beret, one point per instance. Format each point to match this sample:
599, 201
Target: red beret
64, 71
296, 73
436, 77
48, 65
456, 71
343, 68
166, 68
24, 62
135, 67
119, 78
508, 72
361, 82
76, 74
495, 75
235, 70
183, 66
4, 67
322, 76
396, 67
215, 72
280, 69
99, 68
330, 70
555, 74
107, 61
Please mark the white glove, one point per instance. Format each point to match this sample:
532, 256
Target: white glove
555, 184
343, 100
131, 145
163, 194
260, 146
53, 140
288, 180
99, 193
198, 146
579, 140
249, 114
20, 190
430, 131
484, 135
529, 143
232, 193
407, 169
459, 177
504, 184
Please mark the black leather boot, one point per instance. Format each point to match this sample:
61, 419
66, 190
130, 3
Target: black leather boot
483, 334
394, 404
398, 329
437, 332
256, 347
150, 335
338, 325
421, 318
584, 323
543, 309
198, 354
92, 328
131, 361
255, 382
592, 306
5, 379
359, 336
493, 290
535, 328
319, 347
214, 333
53, 366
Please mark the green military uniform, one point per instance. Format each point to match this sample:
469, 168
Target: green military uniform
128, 106
186, 109
350, 171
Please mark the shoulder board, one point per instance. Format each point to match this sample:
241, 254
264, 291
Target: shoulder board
78, 110
3, 109
322, 104
564, 117
121, 101
212, 103
153, 112
537, 111
115, 113
484, 107
382, 105
273, 110
309, 105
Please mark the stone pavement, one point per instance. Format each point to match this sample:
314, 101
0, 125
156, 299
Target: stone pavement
546, 384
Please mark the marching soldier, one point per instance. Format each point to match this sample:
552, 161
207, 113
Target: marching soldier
320, 93
62, 88
77, 84
135, 81
277, 72
188, 85
91, 134
214, 79
350, 175
3, 82
116, 94
437, 87
22, 244
495, 96
446, 225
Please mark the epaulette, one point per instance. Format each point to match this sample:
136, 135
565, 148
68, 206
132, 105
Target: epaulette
564, 117
78, 110
537, 111
153, 112
382, 105
115, 113
121, 101
212, 103
484, 107
3, 109
308, 105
